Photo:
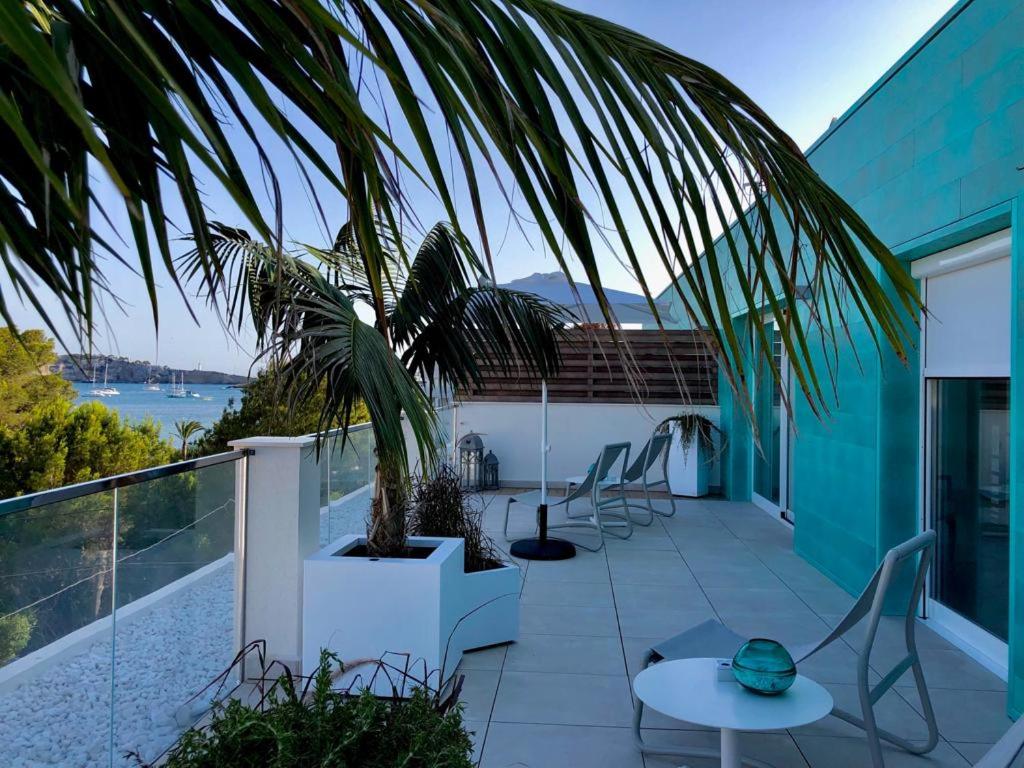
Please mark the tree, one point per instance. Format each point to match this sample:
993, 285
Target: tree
443, 320
590, 127
64, 549
25, 378
183, 431
265, 410
60, 444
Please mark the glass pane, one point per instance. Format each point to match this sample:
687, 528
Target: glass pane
350, 473
970, 495
175, 617
56, 586
767, 411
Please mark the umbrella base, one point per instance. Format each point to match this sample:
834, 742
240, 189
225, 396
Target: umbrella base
543, 549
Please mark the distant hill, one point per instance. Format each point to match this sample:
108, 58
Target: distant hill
124, 371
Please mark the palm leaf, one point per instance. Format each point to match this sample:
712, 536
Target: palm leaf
595, 128
317, 337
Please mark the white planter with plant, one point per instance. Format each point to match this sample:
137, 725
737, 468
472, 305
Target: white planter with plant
691, 453
420, 611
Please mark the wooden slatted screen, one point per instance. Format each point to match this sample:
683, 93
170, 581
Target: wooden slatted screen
592, 372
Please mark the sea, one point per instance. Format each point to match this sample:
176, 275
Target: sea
136, 403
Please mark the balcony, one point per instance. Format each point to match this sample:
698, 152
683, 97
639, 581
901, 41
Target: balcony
561, 695
141, 589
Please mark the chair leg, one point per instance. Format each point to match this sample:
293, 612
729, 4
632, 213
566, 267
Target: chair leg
593, 523
929, 712
627, 519
508, 506
671, 501
870, 726
876, 735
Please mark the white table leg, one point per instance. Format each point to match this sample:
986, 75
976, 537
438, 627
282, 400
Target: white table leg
730, 748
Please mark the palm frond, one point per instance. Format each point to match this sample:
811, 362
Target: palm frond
451, 319
609, 139
317, 338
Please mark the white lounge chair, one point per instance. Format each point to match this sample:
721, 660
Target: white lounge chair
654, 452
607, 499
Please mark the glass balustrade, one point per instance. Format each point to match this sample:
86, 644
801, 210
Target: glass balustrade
117, 607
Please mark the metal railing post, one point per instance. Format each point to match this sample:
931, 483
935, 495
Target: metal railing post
241, 561
113, 629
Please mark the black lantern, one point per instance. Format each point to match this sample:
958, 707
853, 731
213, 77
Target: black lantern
471, 461
490, 472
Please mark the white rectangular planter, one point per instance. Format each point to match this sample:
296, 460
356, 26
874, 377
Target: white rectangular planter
689, 468
490, 605
366, 608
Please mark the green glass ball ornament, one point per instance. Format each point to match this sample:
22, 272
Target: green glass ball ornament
764, 666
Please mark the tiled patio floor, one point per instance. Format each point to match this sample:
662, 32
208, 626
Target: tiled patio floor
561, 696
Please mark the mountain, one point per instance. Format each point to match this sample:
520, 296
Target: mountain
121, 370
629, 308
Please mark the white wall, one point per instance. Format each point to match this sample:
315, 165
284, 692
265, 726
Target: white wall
576, 432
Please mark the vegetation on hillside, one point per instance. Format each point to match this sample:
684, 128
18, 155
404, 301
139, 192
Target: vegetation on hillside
25, 378
61, 444
266, 410
46, 440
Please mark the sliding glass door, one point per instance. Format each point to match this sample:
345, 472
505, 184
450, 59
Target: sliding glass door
770, 463
969, 497
965, 370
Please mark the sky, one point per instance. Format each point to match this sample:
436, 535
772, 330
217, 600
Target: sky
803, 61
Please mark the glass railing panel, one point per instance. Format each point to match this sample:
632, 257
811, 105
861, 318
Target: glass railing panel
56, 592
348, 465
175, 605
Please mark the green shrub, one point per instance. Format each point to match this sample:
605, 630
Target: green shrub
328, 727
15, 632
440, 506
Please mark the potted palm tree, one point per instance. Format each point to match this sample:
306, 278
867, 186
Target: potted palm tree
691, 452
437, 321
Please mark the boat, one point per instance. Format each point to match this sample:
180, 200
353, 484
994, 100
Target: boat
151, 383
178, 391
105, 390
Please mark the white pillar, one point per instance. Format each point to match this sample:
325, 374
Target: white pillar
281, 528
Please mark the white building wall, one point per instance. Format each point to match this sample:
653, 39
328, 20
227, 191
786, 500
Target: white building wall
576, 432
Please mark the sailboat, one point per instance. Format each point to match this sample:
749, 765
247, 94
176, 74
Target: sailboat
179, 392
105, 390
151, 384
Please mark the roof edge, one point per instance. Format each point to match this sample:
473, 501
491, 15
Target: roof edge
947, 18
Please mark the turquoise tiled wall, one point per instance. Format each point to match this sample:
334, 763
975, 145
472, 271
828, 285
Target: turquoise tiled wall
930, 157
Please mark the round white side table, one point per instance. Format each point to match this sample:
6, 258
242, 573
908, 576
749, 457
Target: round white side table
689, 689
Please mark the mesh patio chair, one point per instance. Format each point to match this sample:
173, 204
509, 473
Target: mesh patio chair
654, 452
607, 499
713, 639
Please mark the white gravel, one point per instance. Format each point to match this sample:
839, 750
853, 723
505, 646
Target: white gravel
164, 656
347, 515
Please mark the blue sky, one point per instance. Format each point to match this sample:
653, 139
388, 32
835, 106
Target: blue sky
803, 61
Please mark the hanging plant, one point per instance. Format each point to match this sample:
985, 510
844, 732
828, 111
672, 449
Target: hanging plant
691, 426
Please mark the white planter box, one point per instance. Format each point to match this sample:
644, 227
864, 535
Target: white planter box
689, 468
365, 608
490, 605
